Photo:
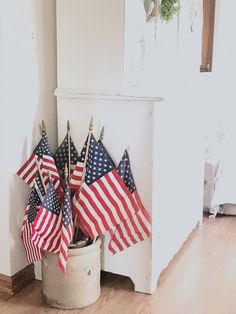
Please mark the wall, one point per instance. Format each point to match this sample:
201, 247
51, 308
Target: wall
219, 85
166, 62
219, 89
28, 78
99, 44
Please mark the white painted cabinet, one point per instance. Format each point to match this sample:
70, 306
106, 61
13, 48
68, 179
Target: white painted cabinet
167, 161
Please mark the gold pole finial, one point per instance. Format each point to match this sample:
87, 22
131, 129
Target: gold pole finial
43, 126
68, 126
91, 124
101, 136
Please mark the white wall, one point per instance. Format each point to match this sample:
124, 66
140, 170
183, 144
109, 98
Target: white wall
218, 87
28, 78
100, 42
220, 84
171, 69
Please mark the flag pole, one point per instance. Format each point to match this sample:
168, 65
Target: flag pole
66, 173
40, 174
87, 152
43, 128
69, 149
50, 177
76, 230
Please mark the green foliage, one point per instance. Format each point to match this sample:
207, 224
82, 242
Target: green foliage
168, 8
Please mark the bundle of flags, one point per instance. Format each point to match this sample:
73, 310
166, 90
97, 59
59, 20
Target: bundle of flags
42, 161
47, 223
94, 195
109, 201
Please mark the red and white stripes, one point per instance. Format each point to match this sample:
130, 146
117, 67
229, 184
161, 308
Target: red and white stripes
49, 166
33, 253
134, 229
77, 176
29, 171
66, 238
47, 230
104, 204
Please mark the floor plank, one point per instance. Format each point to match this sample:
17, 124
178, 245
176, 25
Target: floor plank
200, 280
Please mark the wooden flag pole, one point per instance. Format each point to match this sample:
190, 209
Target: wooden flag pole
66, 173
69, 149
40, 174
49, 175
87, 152
67, 178
38, 191
76, 230
101, 135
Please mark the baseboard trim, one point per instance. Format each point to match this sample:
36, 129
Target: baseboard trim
12, 284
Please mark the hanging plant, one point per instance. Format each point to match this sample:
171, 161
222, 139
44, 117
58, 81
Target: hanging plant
168, 8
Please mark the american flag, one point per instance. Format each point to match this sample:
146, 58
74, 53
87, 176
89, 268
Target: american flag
77, 175
104, 201
29, 171
42, 153
100, 144
135, 228
48, 223
33, 253
67, 230
61, 156
48, 164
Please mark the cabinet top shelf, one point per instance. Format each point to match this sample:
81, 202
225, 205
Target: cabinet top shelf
105, 95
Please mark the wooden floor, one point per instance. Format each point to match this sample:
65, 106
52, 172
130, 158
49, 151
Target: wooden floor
201, 280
